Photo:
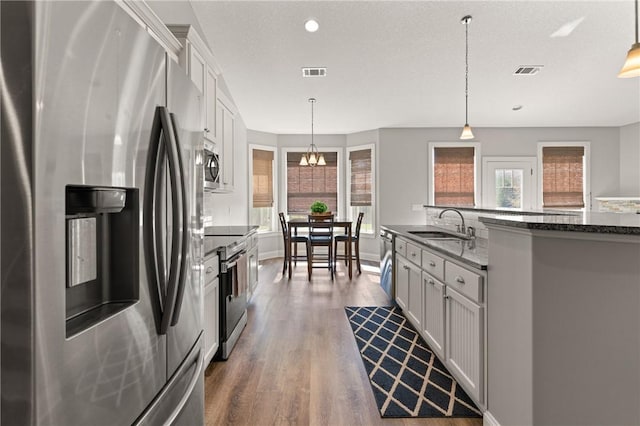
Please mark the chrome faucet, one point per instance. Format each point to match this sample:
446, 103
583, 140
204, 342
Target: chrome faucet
461, 228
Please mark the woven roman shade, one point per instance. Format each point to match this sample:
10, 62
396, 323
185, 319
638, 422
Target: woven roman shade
307, 184
262, 178
454, 177
360, 177
562, 176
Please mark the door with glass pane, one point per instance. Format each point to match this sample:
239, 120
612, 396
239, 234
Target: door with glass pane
509, 182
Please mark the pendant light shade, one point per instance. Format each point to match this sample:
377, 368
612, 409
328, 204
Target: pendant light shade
312, 157
631, 67
466, 130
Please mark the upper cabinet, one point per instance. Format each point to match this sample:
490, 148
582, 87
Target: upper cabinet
225, 119
146, 17
199, 64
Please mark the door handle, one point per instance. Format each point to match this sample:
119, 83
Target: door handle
176, 220
184, 232
153, 252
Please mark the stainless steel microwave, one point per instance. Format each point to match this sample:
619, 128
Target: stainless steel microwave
211, 167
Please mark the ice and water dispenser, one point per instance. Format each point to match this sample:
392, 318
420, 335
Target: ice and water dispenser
102, 234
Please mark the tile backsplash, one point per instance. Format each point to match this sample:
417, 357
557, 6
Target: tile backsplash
622, 205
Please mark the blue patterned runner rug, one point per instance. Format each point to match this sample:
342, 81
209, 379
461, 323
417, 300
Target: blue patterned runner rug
407, 379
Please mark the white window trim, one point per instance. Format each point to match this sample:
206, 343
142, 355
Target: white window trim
283, 161
274, 170
586, 185
534, 164
477, 168
372, 147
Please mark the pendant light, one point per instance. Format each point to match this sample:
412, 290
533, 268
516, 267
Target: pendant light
312, 157
631, 67
466, 130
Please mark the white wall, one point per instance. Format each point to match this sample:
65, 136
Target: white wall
630, 160
403, 163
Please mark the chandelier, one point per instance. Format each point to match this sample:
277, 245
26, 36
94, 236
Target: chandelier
312, 157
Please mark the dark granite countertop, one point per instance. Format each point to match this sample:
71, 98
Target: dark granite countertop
464, 251
229, 231
591, 222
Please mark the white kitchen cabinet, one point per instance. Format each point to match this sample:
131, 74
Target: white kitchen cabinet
211, 308
464, 337
199, 64
433, 313
408, 287
414, 302
225, 135
252, 264
402, 282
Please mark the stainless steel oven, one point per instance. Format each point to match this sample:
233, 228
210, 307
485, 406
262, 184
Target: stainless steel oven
211, 167
233, 295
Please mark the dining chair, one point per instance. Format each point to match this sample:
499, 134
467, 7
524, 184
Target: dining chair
295, 239
355, 239
320, 235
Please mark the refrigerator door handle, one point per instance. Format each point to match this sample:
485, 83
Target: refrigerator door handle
185, 225
192, 385
154, 259
177, 219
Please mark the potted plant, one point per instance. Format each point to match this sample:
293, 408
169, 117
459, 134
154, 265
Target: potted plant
319, 208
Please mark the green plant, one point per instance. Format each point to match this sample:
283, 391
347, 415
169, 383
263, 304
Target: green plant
319, 207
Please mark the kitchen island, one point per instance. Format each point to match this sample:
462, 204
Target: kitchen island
563, 331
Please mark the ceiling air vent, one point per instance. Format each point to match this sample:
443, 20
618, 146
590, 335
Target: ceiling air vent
527, 70
314, 72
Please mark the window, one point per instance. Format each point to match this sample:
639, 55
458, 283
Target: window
262, 210
563, 176
306, 184
454, 174
360, 175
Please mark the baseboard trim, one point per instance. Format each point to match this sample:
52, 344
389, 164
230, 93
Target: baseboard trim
489, 420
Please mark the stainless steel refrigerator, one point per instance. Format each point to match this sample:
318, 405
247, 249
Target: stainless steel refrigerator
101, 194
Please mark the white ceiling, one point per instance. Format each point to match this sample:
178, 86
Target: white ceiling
401, 64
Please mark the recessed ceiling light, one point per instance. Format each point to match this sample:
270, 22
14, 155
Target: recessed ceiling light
517, 107
311, 25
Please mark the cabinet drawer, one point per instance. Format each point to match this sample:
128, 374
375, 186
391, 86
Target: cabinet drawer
433, 264
211, 269
413, 253
401, 247
463, 280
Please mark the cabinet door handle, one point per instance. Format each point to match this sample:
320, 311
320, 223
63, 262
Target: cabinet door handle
432, 264
210, 270
432, 282
206, 130
446, 297
405, 267
459, 279
413, 255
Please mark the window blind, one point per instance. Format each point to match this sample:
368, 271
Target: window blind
562, 176
360, 177
454, 177
262, 178
306, 184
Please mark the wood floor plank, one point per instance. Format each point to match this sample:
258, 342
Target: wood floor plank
296, 362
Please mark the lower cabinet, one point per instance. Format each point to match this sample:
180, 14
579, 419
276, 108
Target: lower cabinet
252, 265
211, 308
445, 300
464, 334
402, 282
433, 316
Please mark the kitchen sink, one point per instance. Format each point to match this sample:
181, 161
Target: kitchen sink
438, 235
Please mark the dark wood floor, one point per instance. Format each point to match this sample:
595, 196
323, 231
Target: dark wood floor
297, 362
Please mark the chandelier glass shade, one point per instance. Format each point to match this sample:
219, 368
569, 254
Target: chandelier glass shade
466, 130
631, 67
312, 157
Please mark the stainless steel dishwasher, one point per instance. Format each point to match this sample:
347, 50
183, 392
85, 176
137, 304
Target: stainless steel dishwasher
387, 277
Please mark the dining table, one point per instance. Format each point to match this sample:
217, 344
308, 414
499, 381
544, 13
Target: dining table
294, 224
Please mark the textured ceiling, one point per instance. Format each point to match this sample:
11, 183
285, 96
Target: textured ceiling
401, 64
